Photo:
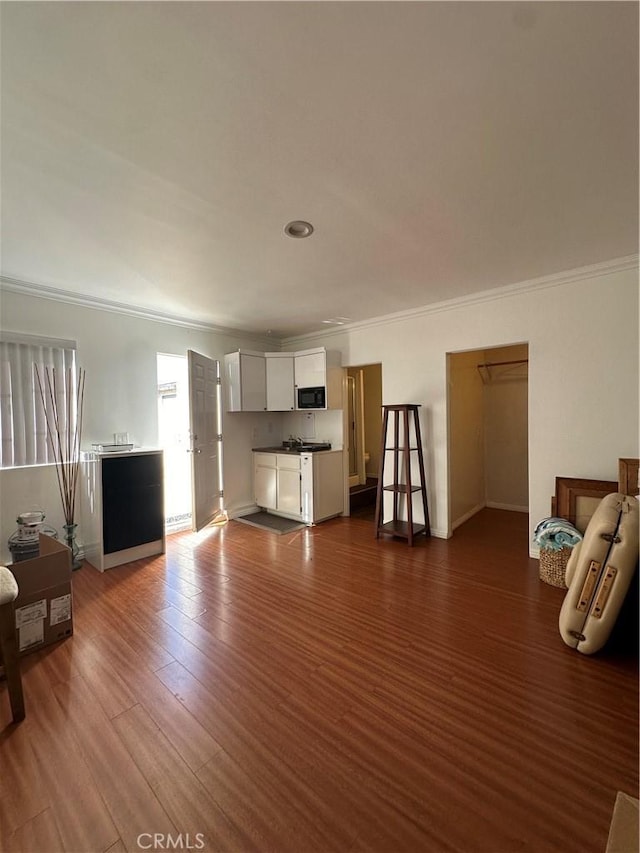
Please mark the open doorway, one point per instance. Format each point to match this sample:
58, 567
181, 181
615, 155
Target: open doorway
363, 435
173, 437
488, 431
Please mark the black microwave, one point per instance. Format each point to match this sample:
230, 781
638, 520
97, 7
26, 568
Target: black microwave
312, 398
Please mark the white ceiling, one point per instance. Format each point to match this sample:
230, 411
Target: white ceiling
153, 152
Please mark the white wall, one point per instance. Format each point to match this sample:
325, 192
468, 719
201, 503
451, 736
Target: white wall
119, 355
316, 426
583, 375
583, 382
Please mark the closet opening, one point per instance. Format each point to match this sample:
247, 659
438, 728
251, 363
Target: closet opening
488, 431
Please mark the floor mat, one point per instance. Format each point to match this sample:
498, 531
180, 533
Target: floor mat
623, 833
273, 523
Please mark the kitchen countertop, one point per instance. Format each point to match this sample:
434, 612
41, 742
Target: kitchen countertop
293, 451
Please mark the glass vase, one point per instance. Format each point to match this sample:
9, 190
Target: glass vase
70, 542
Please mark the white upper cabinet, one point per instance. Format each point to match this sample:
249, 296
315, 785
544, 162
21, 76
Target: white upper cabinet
246, 386
280, 396
311, 368
260, 382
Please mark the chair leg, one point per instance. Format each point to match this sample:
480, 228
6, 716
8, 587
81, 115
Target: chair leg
9, 650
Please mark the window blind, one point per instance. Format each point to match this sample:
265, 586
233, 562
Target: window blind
23, 431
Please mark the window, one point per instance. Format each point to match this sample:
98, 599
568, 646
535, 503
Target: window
23, 431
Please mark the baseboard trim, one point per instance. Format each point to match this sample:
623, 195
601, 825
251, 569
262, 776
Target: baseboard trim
509, 507
461, 520
242, 510
439, 534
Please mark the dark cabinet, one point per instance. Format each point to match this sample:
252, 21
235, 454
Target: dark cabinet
122, 507
132, 501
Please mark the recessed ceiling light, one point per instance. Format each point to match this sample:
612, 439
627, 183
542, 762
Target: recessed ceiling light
337, 321
298, 228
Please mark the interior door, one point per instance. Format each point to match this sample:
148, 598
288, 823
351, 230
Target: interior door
206, 440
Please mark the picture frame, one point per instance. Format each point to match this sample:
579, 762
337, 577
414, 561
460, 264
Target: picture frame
577, 499
628, 476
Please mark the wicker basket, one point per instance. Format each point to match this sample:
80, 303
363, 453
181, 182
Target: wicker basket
553, 565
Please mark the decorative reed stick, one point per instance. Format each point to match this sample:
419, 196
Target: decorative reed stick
63, 440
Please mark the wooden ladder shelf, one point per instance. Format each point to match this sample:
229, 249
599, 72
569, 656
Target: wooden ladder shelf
404, 427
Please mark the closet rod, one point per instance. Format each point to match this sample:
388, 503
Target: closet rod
502, 363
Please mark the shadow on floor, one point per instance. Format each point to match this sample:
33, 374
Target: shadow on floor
362, 499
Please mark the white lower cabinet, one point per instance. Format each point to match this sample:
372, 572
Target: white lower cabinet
276, 483
265, 482
306, 486
322, 481
289, 492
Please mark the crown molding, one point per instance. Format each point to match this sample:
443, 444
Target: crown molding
14, 285
615, 265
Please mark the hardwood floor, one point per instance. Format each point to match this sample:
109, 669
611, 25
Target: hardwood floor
320, 691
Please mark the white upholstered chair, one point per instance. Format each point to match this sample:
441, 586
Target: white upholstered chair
8, 643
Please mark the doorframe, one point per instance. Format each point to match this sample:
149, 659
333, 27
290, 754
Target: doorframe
212, 437
448, 354
359, 478
186, 524
345, 424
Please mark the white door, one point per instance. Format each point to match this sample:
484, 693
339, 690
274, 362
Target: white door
206, 440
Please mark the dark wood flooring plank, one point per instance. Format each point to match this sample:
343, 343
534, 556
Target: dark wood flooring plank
80, 814
181, 729
23, 794
106, 683
182, 795
37, 835
119, 847
132, 804
328, 690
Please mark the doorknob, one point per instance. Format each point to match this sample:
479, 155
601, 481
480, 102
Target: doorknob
197, 450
